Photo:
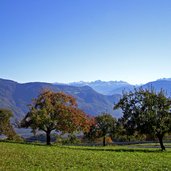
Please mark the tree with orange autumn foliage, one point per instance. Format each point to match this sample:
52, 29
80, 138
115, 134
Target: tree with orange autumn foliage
55, 111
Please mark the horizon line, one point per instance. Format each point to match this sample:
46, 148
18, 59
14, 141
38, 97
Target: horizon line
81, 81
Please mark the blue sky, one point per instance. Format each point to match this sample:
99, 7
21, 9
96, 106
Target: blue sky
74, 40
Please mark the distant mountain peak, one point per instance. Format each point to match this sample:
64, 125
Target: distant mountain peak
98, 81
164, 79
105, 87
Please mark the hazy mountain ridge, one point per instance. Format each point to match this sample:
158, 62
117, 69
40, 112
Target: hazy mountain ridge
16, 97
106, 87
164, 84
117, 87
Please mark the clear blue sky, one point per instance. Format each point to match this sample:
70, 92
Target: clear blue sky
73, 40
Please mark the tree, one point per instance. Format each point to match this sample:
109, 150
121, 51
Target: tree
147, 112
104, 125
55, 111
5, 126
119, 134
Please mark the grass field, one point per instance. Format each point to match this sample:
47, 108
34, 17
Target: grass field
27, 157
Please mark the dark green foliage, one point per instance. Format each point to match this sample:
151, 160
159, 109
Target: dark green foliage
5, 126
104, 125
69, 140
146, 112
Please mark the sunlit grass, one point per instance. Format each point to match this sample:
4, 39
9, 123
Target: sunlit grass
19, 157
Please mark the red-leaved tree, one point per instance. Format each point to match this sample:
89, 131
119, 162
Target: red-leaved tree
55, 111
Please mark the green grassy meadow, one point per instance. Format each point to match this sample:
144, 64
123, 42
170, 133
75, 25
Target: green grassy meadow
27, 157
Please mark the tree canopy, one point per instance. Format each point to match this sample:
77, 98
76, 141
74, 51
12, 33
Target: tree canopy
104, 125
5, 125
55, 111
146, 111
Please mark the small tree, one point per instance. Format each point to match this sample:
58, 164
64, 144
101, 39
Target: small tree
55, 111
147, 112
104, 125
5, 126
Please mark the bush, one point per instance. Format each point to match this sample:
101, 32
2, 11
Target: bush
71, 139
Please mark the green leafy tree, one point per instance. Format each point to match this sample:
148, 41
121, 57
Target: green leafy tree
5, 127
92, 134
104, 125
146, 112
55, 111
119, 134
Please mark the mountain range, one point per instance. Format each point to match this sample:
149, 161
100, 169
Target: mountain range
118, 87
16, 96
106, 87
92, 97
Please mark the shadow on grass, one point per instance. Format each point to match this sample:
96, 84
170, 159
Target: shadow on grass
24, 142
117, 149
78, 148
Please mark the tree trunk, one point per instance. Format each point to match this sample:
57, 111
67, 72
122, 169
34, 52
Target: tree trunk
160, 137
48, 138
104, 141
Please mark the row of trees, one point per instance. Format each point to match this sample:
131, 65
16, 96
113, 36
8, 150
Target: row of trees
144, 112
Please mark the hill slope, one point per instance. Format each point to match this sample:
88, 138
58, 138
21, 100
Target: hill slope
160, 84
17, 96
